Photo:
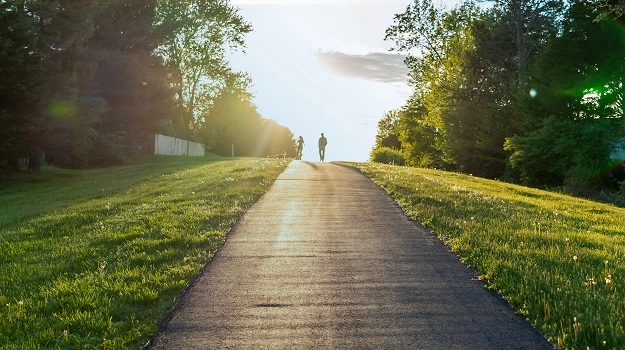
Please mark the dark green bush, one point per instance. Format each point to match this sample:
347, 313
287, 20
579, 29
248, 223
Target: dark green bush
109, 149
563, 152
91, 149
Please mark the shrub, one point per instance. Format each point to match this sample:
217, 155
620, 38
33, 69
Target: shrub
386, 155
108, 149
562, 150
89, 149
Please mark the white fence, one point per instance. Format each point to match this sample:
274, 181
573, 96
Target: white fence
172, 146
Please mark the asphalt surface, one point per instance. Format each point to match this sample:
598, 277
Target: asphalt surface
327, 260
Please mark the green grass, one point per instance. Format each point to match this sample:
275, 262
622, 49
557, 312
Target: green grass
559, 260
95, 259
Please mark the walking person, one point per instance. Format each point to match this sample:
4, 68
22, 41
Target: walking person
322, 147
300, 147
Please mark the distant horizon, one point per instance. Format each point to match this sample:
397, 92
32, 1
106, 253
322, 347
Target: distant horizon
324, 68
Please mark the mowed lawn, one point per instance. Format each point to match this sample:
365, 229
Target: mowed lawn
95, 259
559, 260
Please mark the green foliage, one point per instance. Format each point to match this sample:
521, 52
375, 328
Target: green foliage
482, 102
97, 258
419, 138
610, 9
571, 117
87, 82
23, 77
587, 84
197, 34
130, 78
482, 116
388, 133
110, 149
458, 117
90, 74
386, 155
562, 149
234, 120
557, 259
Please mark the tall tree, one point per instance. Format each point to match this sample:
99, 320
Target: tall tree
129, 76
234, 121
530, 23
198, 32
466, 65
483, 115
614, 9
69, 102
418, 136
22, 73
437, 43
388, 135
105, 88
576, 107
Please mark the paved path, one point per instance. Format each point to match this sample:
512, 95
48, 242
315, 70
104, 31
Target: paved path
326, 260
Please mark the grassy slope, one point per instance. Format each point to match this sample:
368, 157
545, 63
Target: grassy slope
96, 258
558, 260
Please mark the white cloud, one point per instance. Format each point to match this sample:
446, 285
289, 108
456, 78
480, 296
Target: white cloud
375, 66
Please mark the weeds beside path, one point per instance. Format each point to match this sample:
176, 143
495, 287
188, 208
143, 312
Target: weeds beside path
559, 260
96, 258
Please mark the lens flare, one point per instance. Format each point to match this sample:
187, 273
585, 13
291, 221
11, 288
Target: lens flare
62, 109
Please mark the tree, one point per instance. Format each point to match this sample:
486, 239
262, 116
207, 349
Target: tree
530, 22
89, 81
234, 121
275, 140
197, 34
437, 43
610, 9
129, 76
388, 135
576, 105
483, 114
105, 88
419, 137
564, 150
23, 77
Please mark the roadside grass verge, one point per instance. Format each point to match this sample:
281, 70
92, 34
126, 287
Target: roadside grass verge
95, 259
558, 260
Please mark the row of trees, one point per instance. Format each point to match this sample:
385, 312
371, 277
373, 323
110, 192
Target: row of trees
88, 82
526, 90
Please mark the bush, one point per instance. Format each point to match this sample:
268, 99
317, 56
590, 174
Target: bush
90, 149
108, 149
386, 155
562, 150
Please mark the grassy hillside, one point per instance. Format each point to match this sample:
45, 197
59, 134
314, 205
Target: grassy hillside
96, 258
559, 260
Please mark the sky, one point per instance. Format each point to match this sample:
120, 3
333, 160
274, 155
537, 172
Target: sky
323, 67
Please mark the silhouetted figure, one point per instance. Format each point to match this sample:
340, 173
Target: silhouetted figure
322, 147
300, 147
